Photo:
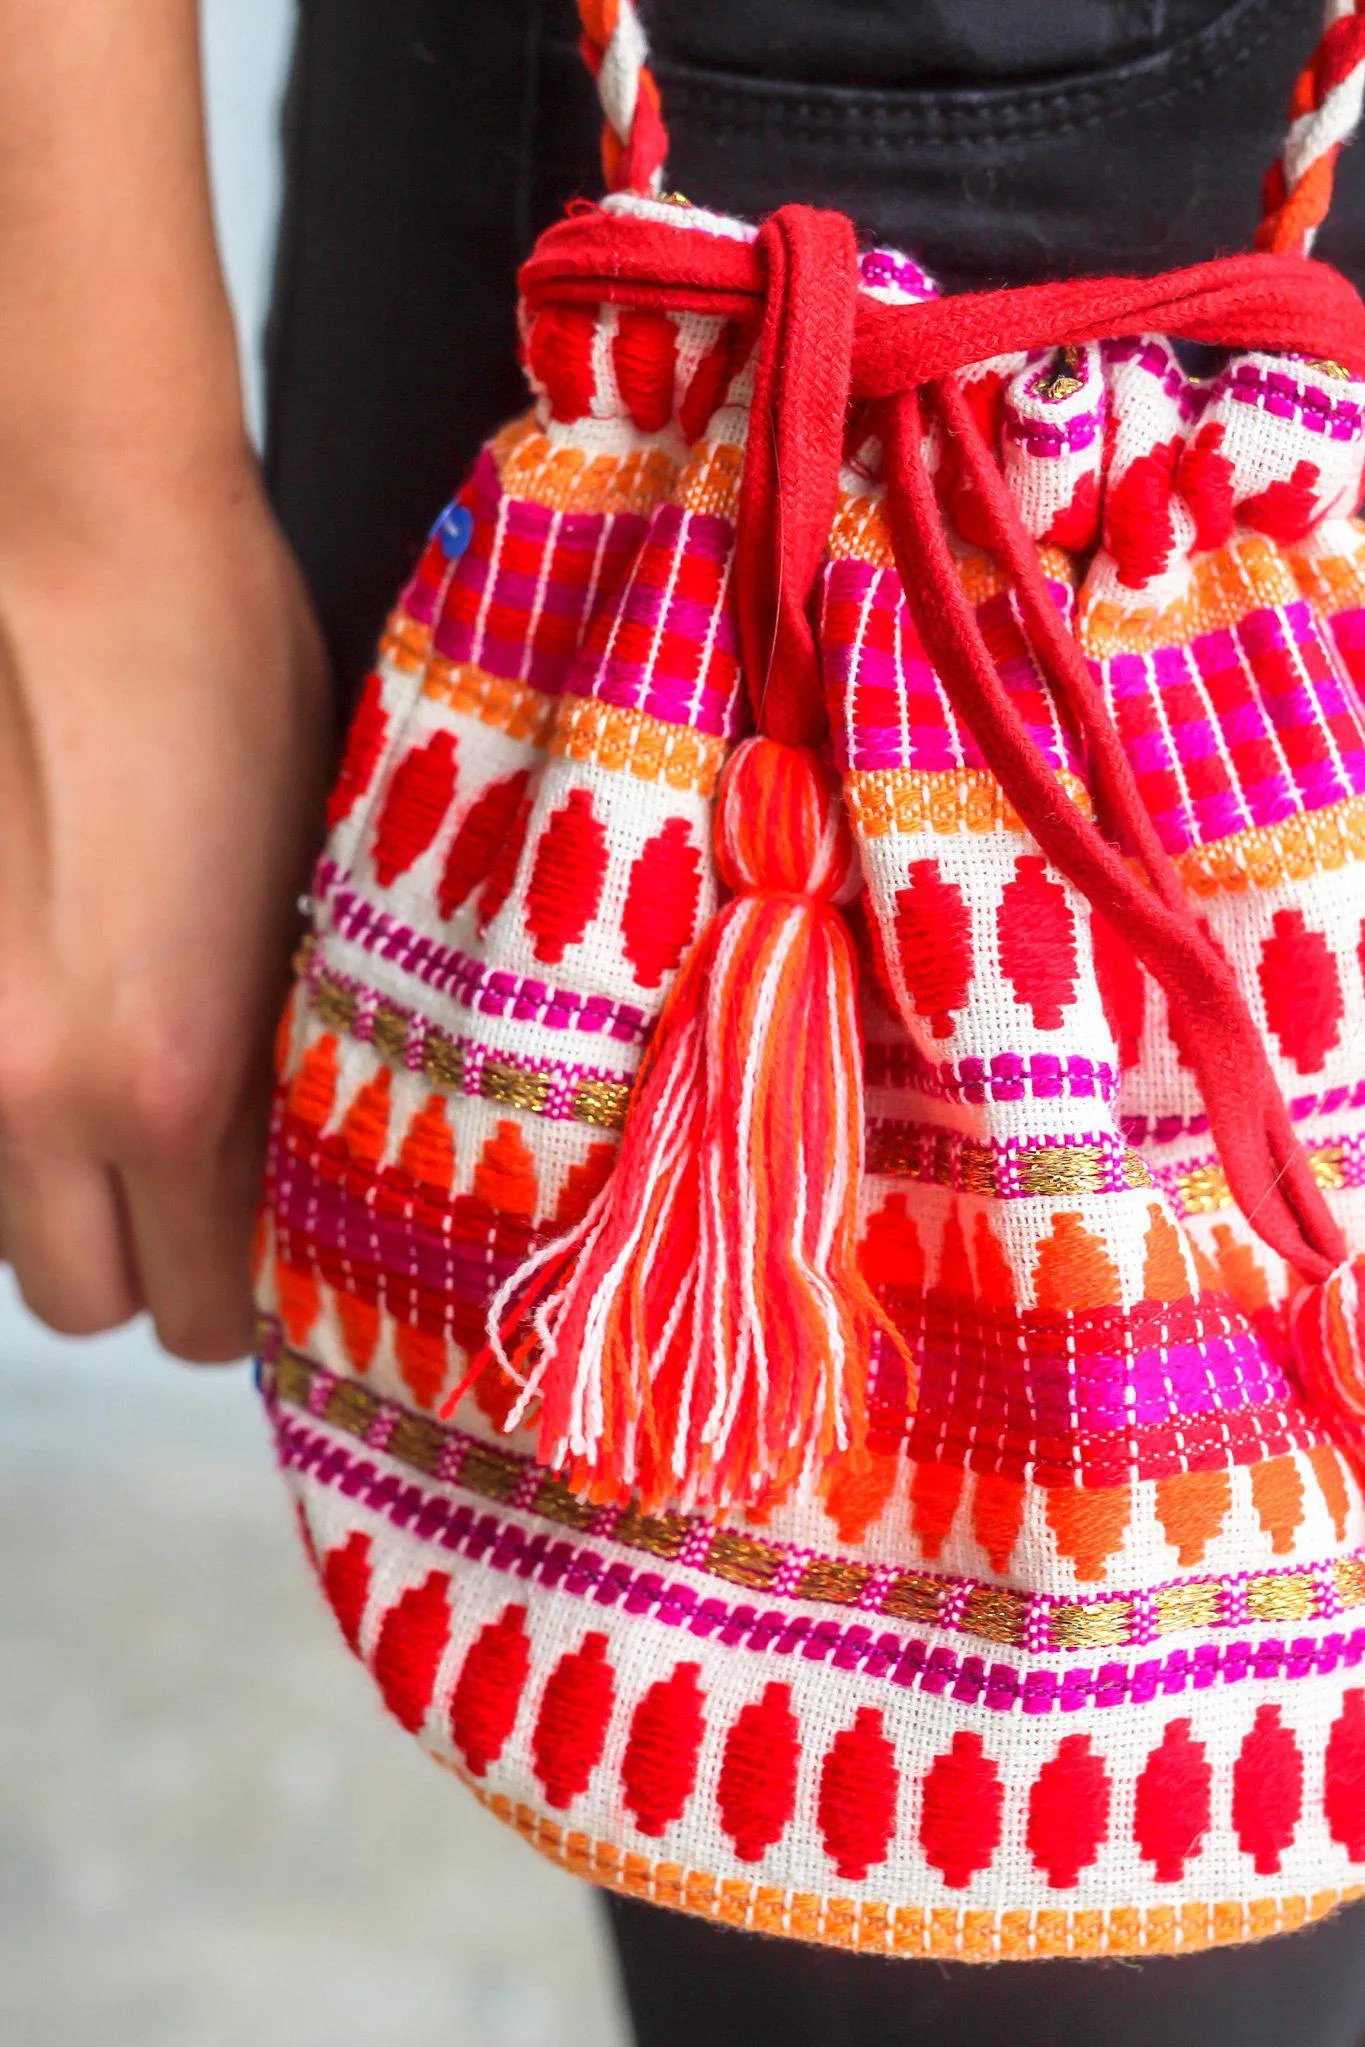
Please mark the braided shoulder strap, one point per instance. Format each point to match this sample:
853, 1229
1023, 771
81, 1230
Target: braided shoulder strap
1325, 110
634, 139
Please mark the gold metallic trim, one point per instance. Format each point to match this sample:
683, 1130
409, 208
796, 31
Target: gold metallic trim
601, 1103
1098, 1624
991, 1613
941, 1158
1204, 1189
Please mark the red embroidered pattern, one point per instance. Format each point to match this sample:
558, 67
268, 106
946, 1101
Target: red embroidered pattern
1174, 1802
412, 1640
1068, 1812
346, 1581
571, 1728
934, 940
483, 1710
1267, 1790
418, 797
756, 1793
660, 911
857, 1806
1301, 989
1037, 939
566, 877
1344, 1789
959, 1827
364, 745
659, 1768
486, 829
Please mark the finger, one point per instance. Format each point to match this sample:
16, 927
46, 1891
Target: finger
191, 1224
62, 1227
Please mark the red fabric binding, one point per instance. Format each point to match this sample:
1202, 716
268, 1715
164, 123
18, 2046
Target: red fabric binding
822, 343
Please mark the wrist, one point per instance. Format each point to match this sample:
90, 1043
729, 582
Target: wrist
117, 347
130, 479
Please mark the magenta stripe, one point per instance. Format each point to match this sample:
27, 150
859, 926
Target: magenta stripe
1063, 1398
1286, 397
1348, 630
912, 1661
1049, 437
464, 979
668, 645
458, 1268
893, 711
1159, 362
1052, 1395
1005, 1077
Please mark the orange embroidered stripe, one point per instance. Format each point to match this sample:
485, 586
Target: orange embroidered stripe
1295, 849
405, 643
1224, 586
859, 532
507, 706
970, 799
869, 1927
511, 707
565, 478
1333, 582
651, 749
884, 800
710, 482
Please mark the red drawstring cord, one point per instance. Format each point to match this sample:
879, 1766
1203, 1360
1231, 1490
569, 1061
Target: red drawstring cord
1266, 1168
822, 344
789, 490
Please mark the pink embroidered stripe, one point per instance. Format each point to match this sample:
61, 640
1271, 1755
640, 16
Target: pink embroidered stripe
503, 1545
668, 646
891, 708
1242, 727
450, 972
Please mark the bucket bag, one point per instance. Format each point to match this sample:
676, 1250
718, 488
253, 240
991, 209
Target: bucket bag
809, 1284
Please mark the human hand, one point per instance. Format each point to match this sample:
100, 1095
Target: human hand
162, 705
162, 740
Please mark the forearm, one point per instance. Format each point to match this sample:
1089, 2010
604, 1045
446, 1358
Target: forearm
116, 340
162, 695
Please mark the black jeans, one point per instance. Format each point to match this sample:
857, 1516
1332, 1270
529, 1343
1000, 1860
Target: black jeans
428, 141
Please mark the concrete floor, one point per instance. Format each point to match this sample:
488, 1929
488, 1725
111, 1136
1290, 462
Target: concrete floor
209, 1831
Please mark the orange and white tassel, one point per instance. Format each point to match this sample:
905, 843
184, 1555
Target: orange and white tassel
704, 1334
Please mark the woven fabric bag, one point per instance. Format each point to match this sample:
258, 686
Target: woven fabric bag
807, 1273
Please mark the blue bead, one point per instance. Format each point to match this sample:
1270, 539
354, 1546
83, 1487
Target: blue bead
453, 529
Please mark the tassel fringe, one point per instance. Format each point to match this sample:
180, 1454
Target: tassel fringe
704, 1334
1327, 1334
